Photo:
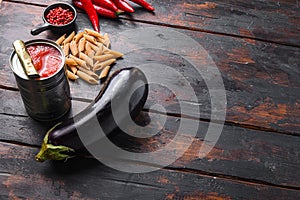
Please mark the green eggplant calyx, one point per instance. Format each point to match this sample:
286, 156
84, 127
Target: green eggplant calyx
52, 152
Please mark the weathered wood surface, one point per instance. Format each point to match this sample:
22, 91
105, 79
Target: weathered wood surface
22, 178
239, 152
257, 154
256, 19
261, 79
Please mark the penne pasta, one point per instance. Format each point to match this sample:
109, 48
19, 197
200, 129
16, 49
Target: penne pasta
60, 40
70, 61
90, 53
105, 49
74, 48
106, 40
73, 68
89, 72
90, 38
81, 44
86, 58
94, 47
86, 77
87, 53
88, 46
79, 61
69, 38
104, 72
100, 50
103, 64
66, 49
92, 33
78, 36
71, 75
104, 57
116, 53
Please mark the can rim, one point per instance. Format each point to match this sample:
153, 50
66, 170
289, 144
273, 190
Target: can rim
13, 56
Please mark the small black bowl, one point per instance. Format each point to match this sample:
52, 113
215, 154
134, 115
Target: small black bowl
56, 28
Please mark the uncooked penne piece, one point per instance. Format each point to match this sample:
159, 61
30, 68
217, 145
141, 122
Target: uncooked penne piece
105, 49
116, 53
86, 58
66, 49
104, 72
73, 68
69, 38
74, 48
90, 38
88, 46
104, 57
71, 76
106, 40
60, 39
100, 50
70, 61
78, 36
94, 47
86, 77
90, 53
79, 61
89, 72
81, 44
103, 64
92, 33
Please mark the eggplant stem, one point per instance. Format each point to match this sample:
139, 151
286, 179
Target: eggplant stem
52, 152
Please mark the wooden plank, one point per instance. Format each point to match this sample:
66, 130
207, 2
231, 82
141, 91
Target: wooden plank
251, 81
22, 177
259, 93
239, 152
255, 19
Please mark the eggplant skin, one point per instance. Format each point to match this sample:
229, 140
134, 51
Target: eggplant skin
62, 141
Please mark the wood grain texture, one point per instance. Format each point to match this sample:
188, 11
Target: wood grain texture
260, 92
258, 19
239, 152
276, 21
21, 177
255, 46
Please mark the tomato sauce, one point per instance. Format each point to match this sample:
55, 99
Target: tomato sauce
46, 59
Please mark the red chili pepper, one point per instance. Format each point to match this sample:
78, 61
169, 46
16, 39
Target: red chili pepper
123, 5
100, 10
108, 4
91, 12
144, 4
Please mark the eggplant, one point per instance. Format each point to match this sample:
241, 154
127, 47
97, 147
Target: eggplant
63, 141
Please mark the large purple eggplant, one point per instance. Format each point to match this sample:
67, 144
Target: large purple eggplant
63, 140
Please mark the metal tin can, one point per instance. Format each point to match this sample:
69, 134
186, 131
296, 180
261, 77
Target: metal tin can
45, 99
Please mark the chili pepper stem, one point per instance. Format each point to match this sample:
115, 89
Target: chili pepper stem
119, 12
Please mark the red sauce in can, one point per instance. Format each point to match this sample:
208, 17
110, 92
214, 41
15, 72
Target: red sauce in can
46, 59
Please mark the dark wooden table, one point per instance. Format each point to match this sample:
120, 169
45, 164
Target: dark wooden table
255, 45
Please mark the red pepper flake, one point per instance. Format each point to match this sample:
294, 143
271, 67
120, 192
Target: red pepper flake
59, 16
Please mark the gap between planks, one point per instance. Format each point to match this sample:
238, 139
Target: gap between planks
211, 32
193, 171
178, 115
231, 178
226, 122
180, 27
